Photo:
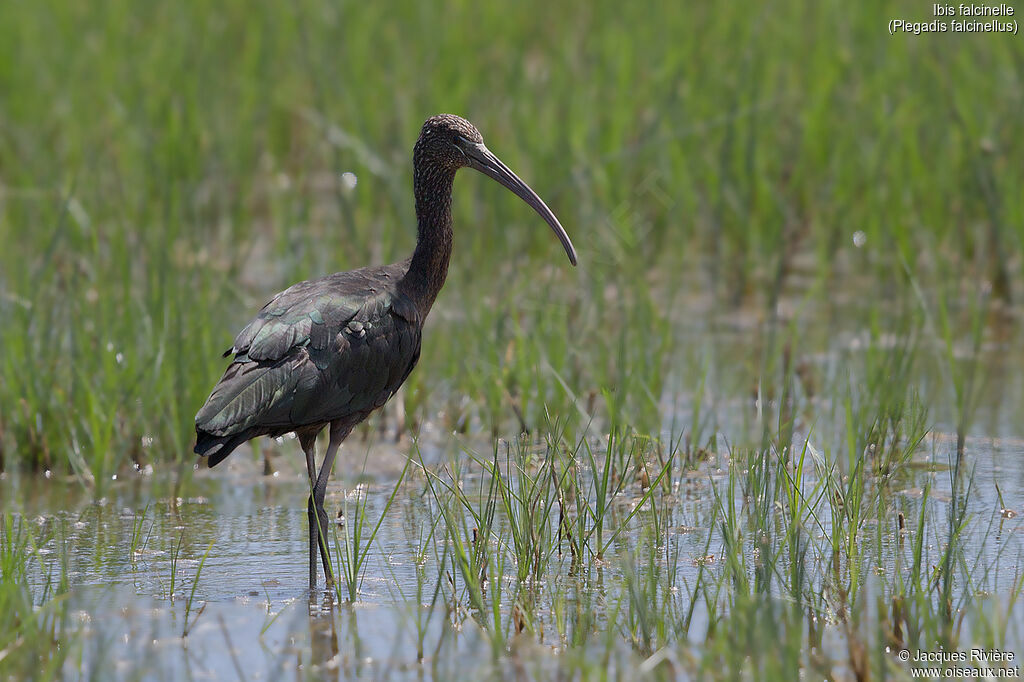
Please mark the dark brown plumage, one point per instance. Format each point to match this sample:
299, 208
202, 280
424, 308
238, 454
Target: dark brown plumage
329, 351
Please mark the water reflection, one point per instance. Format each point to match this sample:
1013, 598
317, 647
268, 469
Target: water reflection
149, 601
323, 633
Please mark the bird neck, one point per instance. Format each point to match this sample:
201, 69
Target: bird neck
429, 266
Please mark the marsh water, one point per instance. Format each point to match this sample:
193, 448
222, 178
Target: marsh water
202, 575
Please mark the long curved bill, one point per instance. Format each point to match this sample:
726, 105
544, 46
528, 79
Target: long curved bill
481, 159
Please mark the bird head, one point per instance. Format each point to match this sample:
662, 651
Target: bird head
448, 142
443, 139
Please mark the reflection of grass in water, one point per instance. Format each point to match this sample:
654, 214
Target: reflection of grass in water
189, 624
36, 632
771, 566
776, 581
164, 170
353, 549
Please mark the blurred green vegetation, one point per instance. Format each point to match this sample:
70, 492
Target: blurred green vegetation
166, 167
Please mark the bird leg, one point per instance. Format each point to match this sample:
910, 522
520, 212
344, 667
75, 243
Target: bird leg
308, 443
339, 431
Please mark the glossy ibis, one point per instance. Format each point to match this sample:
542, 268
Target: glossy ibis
329, 351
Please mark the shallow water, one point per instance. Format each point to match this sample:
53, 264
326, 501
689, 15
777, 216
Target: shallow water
143, 608
133, 558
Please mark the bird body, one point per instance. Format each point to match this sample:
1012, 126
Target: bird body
327, 349
331, 350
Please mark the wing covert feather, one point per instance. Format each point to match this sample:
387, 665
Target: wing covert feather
337, 347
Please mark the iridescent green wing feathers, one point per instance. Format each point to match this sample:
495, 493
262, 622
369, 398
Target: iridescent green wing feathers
308, 313
321, 350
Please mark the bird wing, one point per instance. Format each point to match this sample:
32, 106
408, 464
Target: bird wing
322, 350
300, 315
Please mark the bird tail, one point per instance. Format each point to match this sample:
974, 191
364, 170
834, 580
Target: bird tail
245, 398
216, 448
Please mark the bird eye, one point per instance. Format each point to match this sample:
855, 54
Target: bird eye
459, 141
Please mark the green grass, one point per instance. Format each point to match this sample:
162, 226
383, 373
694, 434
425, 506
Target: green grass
37, 635
799, 246
759, 588
165, 169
